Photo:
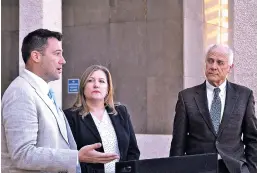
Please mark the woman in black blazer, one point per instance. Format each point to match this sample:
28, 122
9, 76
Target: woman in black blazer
95, 119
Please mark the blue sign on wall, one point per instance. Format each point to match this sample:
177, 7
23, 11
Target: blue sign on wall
73, 86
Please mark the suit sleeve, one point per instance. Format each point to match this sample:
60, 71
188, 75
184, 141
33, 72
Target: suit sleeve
133, 151
20, 121
178, 143
250, 134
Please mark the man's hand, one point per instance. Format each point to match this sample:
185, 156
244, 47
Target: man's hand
88, 154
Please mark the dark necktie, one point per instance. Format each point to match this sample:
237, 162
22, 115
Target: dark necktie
216, 109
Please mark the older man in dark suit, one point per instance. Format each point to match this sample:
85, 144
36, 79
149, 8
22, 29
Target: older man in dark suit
217, 117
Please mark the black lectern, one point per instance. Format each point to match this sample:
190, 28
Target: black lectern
202, 163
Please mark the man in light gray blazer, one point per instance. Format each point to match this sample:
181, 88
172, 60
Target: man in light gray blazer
35, 135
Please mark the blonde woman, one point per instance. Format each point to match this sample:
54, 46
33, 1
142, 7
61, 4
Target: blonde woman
95, 119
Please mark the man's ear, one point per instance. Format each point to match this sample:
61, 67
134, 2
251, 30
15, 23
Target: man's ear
35, 56
230, 68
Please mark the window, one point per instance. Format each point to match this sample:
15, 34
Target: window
216, 18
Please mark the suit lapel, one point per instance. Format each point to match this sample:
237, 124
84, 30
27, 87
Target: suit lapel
231, 98
89, 122
48, 102
51, 106
202, 103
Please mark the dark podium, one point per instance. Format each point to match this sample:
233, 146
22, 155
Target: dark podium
202, 163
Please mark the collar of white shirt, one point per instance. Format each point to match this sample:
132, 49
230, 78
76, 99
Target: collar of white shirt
44, 87
104, 118
222, 87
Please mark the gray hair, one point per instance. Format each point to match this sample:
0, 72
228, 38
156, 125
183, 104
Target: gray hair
227, 50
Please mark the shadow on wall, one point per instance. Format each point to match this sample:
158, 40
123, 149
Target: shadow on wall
153, 146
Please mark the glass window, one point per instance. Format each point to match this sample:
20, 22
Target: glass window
216, 19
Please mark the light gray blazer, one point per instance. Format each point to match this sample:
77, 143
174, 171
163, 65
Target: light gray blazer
32, 138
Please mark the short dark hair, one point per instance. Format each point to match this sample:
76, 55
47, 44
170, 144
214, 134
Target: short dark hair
37, 40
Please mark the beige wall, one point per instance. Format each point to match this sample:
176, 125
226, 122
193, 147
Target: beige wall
141, 42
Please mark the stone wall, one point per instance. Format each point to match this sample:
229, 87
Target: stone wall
245, 44
141, 42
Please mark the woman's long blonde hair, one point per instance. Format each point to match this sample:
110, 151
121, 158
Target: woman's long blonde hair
81, 102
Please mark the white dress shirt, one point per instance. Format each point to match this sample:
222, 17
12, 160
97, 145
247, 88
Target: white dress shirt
109, 139
222, 94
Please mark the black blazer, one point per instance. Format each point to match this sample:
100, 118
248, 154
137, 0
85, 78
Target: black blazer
85, 133
194, 133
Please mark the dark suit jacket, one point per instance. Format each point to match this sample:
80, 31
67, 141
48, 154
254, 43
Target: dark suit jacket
85, 133
194, 133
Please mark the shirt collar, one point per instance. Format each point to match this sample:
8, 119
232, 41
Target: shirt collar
43, 86
222, 87
104, 118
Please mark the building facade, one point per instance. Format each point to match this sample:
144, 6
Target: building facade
153, 48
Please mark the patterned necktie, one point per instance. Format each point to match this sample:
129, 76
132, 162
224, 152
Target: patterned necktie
216, 109
52, 97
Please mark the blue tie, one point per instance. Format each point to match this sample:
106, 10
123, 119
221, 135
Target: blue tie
78, 169
52, 97
216, 109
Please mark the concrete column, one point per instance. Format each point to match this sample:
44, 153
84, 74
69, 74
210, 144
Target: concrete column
35, 14
245, 43
193, 48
